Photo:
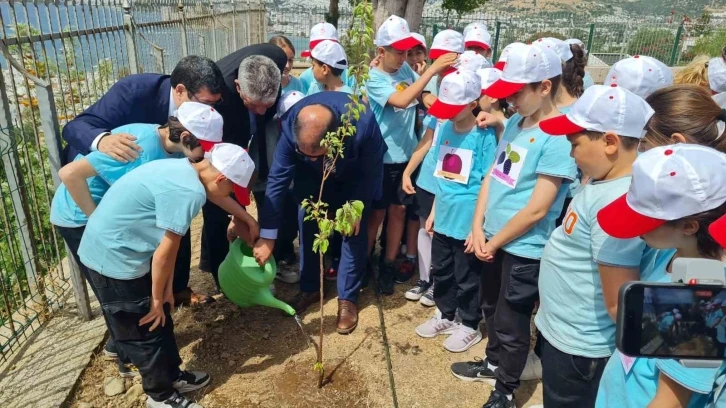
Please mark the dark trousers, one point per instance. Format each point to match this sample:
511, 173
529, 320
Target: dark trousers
284, 244
154, 353
353, 257
456, 280
214, 234
569, 381
508, 294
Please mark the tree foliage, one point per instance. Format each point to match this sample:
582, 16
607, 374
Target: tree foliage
711, 44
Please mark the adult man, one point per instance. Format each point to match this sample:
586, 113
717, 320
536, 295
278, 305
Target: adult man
252, 85
146, 98
357, 176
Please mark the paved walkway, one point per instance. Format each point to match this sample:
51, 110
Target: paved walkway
42, 373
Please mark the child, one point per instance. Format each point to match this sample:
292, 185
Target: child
473, 25
640, 75
416, 56
479, 40
573, 72
288, 82
329, 62
587, 80
321, 32
472, 62
581, 266
502, 62
464, 152
717, 74
676, 194
522, 196
393, 90
497, 107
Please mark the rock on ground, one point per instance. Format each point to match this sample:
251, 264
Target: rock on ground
113, 386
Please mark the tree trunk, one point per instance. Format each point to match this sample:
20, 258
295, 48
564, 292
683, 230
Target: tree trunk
385, 8
414, 11
333, 14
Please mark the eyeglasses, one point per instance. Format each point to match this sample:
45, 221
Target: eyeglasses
194, 98
301, 154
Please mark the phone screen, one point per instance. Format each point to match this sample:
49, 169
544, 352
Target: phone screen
675, 321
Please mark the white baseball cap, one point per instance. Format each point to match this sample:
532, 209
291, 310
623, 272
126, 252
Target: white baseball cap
478, 37
421, 39
488, 76
287, 100
505, 55
471, 26
640, 74
203, 121
394, 33
472, 61
717, 74
578, 42
446, 41
330, 53
526, 64
669, 183
456, 91
320, 32
603, 109
560, 47
235, 164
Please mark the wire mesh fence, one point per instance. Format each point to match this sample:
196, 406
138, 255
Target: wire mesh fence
57, 57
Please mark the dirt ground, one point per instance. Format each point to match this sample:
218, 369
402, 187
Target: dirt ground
258, 357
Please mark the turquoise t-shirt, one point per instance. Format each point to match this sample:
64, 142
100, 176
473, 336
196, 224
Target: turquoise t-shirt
432, 86
307, 79
569, 275
128, 225
63, 210
522, 155
637, 387
575, 185
462, 160
717, 398
587, 80
397, 125
315, 87
426, 179
295, 84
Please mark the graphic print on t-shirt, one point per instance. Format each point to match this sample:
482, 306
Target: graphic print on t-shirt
454, 164
508, 165
401, 86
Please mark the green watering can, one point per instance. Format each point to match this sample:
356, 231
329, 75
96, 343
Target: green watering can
247, 284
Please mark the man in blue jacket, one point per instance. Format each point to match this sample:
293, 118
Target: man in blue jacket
358, 175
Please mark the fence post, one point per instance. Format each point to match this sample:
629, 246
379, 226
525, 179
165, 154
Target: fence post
202, 48
590, 38
214, 30
249, 23
130, 32
183, 29
436, 29
676, 45
496, 40
158, 53
234, 25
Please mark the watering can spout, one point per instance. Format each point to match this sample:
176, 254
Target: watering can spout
266, 299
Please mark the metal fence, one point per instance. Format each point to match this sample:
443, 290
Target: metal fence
57, 58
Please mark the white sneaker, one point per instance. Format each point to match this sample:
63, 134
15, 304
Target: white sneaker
462, 339
190, 381
175, 401
428, 298
533, 369
287, 275
273, 289
435, 326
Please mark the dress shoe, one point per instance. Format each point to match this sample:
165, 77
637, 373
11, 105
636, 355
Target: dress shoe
303, 300
347, 316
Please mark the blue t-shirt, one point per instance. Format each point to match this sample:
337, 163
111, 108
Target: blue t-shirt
637, 387
63, 210
307, 79
426, 179
294, 85
128, 225
717, 398
569, 275
397, 125
315, 87
587, 80
462, 160
522, 155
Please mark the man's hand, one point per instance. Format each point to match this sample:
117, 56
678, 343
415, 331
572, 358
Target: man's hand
356, 229
407, 185
443, 62
263, 250
156, 315
120, 146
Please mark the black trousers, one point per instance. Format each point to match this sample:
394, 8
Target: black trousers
508, 294
569, 381
456, 280
154, 353
214, 235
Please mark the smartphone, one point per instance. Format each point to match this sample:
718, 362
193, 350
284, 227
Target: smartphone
672, 320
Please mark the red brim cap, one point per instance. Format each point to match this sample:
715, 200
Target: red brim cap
406, 43
619, 220
500, 65
717, 230
207, 145
305, 53
436, 53
503, 89
443, 110
449, 70
242, 194
476, 44
560, 126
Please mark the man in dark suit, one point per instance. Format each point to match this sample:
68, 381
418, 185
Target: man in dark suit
358, 175
146, 98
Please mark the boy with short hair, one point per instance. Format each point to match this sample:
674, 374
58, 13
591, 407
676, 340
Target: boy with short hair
319, 33
393, 91
329, 62
479, 40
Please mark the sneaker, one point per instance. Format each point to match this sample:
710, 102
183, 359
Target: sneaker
331, 274
127, 370
273, 289
287, 275
499, 400
176, 401
533, 369
417, 292
435, 326
462, 339
190, 381
471, 371
109, 351
405, 270
428, 298
385, 278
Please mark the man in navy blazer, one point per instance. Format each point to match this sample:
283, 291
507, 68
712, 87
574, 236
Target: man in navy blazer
146, 98
358, 175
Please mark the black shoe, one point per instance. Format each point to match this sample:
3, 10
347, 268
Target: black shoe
190, 381
476, 370
499, 400
109, 350
175, 401
405, 270
385, 278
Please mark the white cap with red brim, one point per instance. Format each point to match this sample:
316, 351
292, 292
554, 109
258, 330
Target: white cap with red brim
287, 100
203, 121
488, 77
505, 55
235, 164
421, 39
527, 64
640, 74
456, 92
330, 53
471, 26
717, 74
445, 42
478, 37
560, 47
394, 33
320, 32
472, 61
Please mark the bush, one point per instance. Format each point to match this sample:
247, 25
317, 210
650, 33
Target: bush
653, 42
710, 45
